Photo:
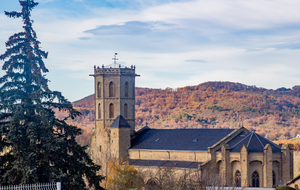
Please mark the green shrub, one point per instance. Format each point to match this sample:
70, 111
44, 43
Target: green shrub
284, 188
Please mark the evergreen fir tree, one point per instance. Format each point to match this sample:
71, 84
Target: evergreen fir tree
36, 146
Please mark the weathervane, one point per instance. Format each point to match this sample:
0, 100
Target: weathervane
115, 59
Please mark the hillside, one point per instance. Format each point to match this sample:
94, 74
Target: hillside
274, 114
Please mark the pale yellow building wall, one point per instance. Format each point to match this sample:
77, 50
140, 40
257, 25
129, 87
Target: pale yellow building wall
185, 156
169, 155
154, 155
134, 154
236, 165
234, 156
256, 156
202, 156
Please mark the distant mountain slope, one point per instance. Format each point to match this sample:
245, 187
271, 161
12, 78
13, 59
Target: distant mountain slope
274, 114
86, 102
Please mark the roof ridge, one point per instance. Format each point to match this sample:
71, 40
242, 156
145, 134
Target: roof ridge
269, 142
120, 122
241, 141
227, 138
250, 139
259, 141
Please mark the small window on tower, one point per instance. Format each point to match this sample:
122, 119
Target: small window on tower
99, 111
99, 90
125, 110
111, 89
126, 89
111, 110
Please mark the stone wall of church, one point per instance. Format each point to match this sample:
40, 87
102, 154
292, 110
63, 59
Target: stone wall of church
100, 144
236, 167
169, 155
120, 143
255, 166
268, 166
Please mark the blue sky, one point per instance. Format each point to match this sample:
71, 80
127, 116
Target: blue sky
172, 43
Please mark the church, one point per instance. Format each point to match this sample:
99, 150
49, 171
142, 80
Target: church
242, 157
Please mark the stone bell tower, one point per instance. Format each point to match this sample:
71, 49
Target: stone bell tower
114, 112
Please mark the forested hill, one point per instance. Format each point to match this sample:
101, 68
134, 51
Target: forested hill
274, 114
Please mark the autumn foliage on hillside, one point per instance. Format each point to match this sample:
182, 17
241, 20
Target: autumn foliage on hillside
295, 142
271, 113
274, 114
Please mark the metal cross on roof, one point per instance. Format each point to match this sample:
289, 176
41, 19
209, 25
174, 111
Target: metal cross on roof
115, 59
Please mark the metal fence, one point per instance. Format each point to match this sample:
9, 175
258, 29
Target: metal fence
41, 186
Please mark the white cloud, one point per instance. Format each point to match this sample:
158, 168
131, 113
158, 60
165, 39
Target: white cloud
253, 14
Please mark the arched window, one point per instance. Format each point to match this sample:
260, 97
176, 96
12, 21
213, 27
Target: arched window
126, 89
111, 110
99, 111
111, 89
274, 178
99, 90
255, 179
238, 178
125, 110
